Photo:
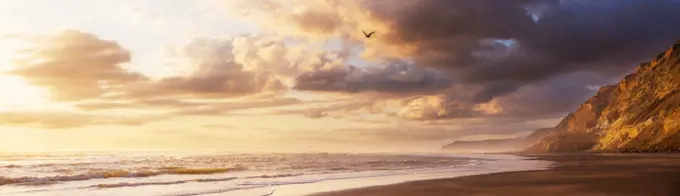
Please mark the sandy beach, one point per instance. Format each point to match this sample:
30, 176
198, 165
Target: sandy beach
581, 174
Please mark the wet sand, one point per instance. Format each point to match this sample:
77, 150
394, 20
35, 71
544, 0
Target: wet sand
574, 175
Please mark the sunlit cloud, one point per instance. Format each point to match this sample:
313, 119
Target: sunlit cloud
277, 71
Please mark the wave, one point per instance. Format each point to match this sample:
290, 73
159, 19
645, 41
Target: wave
115, 174
47, 180
277, 175
53, 180
244, 187
129, 184
11, 166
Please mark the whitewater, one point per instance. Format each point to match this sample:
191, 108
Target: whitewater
243, 174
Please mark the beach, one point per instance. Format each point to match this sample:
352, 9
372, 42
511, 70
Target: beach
576, 174
238, 174
322, 174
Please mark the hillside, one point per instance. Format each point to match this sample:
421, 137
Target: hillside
497, 145
639, 114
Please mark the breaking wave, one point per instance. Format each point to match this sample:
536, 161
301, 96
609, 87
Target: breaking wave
209, 174
277, 175
129, 184
115, 174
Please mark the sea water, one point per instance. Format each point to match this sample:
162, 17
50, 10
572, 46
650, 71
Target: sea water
244, 174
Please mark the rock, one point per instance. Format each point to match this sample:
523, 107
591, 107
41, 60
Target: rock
639, 114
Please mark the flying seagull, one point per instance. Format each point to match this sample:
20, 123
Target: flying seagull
368, 35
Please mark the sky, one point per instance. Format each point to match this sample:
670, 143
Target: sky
298, 75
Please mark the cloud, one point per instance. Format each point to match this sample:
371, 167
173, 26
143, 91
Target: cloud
546, 99
226, 75
219, 126
542, 100
74, 65
496, 50
93, 113
311, 19
435, 107
555, 96
238, 66
393, 77
321, 109
410, 131
215, 73
447, 62
77, 66
227, 107
55, 119
137, 104
176, 107
461, 36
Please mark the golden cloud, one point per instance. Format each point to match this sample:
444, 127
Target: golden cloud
319, 20
74, 65
56, 119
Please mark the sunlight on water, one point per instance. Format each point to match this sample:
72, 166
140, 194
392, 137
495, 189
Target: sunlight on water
242, 174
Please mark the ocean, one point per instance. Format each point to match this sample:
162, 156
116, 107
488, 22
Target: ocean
243, 174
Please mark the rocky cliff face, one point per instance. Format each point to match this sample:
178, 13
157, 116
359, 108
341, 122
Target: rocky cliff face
639, 114
498, 145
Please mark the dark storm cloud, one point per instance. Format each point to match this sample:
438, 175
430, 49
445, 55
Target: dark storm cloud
510, 57
499, 47
393, 77
494, 89
608, 37
502, 48
551, 98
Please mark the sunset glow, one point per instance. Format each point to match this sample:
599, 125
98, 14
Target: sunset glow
278, 75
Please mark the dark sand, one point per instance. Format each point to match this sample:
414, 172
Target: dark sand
574, 175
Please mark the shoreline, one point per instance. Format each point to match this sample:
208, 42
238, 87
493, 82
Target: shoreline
574, 174
476, 165
496, 164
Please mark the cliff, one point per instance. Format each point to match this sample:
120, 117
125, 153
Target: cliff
498, 145
639, 114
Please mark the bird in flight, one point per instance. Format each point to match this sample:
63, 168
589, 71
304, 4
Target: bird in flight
368, 35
